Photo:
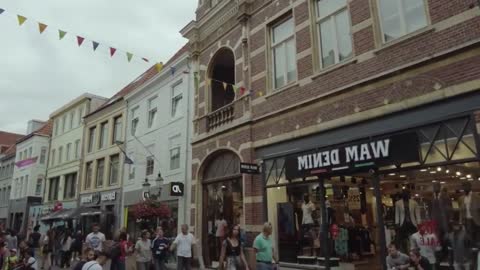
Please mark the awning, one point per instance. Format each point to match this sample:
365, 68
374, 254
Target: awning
58, 215
88, 211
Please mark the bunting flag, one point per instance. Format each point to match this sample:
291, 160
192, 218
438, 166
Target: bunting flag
159, 67
42, 27
21, 19
80, 40
225, 86
242, 91
95, 45
61, 34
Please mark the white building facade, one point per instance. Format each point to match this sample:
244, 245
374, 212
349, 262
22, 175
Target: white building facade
66, 152
158, 135
29, 175
7, 164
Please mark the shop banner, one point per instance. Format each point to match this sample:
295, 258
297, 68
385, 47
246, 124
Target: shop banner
360, 155
26, 162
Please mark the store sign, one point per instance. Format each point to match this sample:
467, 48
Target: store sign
249, 168
372, 153
86, 199
176, 189
110, 196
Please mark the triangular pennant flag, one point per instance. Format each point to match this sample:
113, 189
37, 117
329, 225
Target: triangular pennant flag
129, 56
235, 89
21, 19
112, 51
61, 34
208, 82
242, 91
159, 67
225, 86
95, 45
145, 59
42, 27
1, 10
80, 40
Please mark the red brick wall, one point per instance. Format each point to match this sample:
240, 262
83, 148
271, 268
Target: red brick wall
442, 9
359, 11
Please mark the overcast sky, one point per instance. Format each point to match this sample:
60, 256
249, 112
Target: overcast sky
40, 73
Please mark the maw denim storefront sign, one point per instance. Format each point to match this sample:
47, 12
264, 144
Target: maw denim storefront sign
363, 154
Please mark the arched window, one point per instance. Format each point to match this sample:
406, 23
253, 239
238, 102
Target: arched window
222, 70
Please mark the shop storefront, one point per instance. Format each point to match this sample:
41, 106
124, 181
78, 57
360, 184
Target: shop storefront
164, 214
412, 179
19, 213
104, 209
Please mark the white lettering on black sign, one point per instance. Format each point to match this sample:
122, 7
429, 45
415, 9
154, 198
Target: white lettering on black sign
111, 196
86, 199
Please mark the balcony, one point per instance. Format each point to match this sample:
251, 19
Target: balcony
220, 117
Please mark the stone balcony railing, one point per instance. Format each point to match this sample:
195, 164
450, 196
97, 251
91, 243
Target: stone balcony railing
220, 117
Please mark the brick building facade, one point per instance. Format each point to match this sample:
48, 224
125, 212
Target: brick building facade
372, 71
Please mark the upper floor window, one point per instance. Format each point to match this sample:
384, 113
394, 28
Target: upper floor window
80, 115
174, 147
401, 17
64, 123
221, 73
100, 172
91, 139
334, 31
53, 158
88, 175
103, 135
38, 187
152, 111
60, 154
135, 120
30, 152
20, 156
131, 172
117, 129
68, 152
72, 119
53, 189
57, 123
43, 155
150, 165
77, 149
177, 97
69, 187
114, 169
283, 53
25, 154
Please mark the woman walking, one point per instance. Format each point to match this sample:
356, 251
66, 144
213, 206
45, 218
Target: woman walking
232, 251
65, 250
143, 251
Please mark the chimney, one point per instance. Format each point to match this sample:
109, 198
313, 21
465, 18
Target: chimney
34, 125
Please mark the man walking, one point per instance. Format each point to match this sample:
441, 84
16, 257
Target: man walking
95, 239
184, 243
263, 246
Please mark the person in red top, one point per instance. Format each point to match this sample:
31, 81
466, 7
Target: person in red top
119, 253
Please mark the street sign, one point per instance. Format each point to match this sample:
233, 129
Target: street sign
249, 168
176, 189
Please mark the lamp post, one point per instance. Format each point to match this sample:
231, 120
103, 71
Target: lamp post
148, 193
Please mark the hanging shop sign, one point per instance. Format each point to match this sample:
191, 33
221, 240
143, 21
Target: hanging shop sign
364, 154
176, 189
354, 199
249, 168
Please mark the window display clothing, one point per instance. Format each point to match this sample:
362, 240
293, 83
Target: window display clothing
441, 209
427, 244
470, 214
407, 212
460, 243
221, 225
307, 210
341, 243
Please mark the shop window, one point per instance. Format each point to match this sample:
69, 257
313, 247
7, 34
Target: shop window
70, 186
399, 18
114, 169
221, 71
100, 172
334, 31
283, 53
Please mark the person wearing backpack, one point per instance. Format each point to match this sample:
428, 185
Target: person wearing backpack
97, 264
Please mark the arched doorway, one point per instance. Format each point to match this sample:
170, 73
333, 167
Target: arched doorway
222, 70
222, 192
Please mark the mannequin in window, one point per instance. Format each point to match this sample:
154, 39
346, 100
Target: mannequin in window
307, 209
441, 209
407, 216
470, 212
460, 243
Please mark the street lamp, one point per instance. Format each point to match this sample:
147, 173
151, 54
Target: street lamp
147, 187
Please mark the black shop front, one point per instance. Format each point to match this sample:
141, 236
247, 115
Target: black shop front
412, 179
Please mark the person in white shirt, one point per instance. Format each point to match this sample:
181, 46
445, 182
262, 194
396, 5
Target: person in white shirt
426, 243
184, 243
30, 261
95, 239
98, 263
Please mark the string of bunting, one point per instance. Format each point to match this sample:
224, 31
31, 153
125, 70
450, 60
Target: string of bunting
239, 91
81, 39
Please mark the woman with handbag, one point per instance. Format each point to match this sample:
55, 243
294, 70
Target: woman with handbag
232, 251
